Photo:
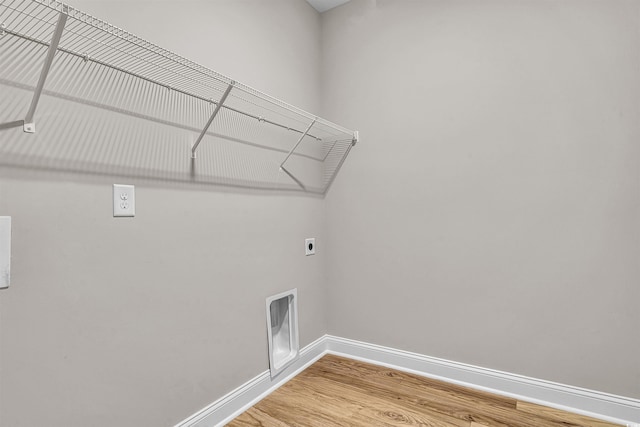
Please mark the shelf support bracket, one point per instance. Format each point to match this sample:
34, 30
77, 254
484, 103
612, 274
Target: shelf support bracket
282, 168
29, 126
298, 143
213, 116
293, 178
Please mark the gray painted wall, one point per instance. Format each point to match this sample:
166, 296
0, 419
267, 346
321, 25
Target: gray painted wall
491, 214
144, 321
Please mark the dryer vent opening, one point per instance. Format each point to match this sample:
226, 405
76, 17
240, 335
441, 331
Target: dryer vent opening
282, 330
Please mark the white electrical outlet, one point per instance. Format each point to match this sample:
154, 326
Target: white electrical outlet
310, 246
124, 200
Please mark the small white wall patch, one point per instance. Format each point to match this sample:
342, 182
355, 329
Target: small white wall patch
5, 251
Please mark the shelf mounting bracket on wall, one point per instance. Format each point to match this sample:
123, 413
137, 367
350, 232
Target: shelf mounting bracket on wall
29, 126
298, 143
282, 168
213, 116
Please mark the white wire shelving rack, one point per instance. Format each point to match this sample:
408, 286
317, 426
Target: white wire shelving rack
52, 51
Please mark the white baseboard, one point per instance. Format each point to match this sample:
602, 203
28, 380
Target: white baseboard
239, 400
608, 407
616, 409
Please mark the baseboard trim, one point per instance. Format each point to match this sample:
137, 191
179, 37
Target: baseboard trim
608, 407
617, 409
239, 400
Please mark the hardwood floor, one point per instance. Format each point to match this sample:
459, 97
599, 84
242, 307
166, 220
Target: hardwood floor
336, 391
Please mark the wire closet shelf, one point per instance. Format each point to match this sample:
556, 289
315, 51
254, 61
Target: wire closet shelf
231, 133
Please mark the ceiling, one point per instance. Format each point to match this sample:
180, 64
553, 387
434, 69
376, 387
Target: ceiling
324, 5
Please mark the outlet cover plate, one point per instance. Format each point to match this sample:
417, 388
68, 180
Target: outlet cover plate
310, 246
124, 200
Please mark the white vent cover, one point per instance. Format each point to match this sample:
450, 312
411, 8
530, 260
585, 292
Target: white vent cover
282, 330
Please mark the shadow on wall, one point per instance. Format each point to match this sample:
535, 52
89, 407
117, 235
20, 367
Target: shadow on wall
97, 120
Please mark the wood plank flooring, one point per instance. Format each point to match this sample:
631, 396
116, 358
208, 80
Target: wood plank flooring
336, 391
